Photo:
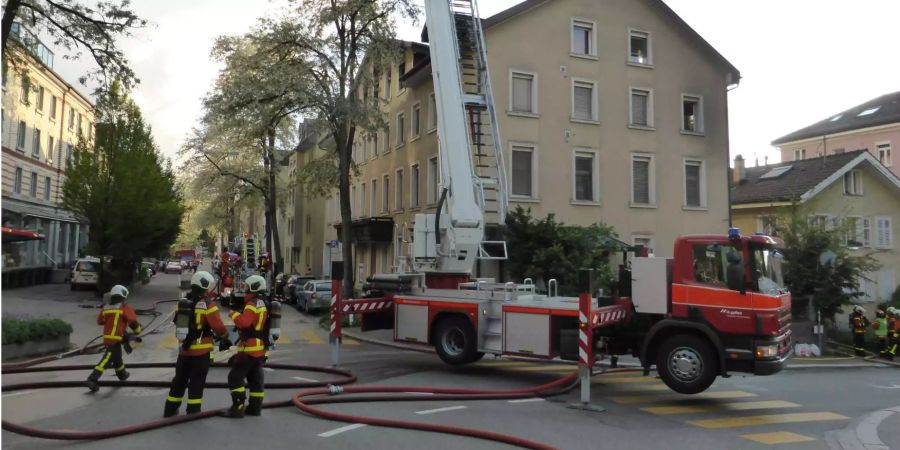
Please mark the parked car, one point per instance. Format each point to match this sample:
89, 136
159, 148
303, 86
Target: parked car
294, 286
173, 267
315, 295
85, 272
149, 265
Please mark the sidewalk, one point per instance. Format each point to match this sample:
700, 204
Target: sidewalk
385, 337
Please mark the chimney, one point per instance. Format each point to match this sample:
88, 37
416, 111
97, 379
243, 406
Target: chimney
739, 173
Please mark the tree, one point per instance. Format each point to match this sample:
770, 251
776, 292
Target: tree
72, 25
546, 249
336, 47
818, 264
124, 189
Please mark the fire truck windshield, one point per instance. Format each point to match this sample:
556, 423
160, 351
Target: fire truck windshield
766, 265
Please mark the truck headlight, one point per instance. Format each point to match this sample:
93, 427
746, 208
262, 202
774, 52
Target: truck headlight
766, 351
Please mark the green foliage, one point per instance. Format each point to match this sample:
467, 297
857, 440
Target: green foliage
832, 284
17, 331
123, 187
543, 249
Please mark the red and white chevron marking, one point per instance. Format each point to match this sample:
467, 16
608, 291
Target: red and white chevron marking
608, 317
335, 325
366, 306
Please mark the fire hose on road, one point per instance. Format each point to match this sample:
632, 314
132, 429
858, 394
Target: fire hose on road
311, 393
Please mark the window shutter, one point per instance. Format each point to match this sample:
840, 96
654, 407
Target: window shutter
522, 171
692, 184
639, 108
641, 180
883, 236
522, 87
583, 104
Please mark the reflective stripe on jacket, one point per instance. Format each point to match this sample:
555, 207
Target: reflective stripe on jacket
206, 318
250, 324
114, 319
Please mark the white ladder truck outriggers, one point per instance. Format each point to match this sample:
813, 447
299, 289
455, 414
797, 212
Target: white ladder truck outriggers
659, 313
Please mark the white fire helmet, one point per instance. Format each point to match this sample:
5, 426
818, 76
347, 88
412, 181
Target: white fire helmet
203, 280
256, 283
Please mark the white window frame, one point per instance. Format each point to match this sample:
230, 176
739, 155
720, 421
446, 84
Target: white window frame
801, 152
415, 121
21, 135
887, 243
534, 93
385, 193
533, 148
651, 180
649, 237
643, 90
433, 185
401, 129
592, 42
39, 100
36, 142
699, 125
51, 144
855, 188
703, 186
415, 201
648, 59
386, 142
18, 178
595, 178
857, 232
594, 113
53, 102
398, 188
432, 113
887, 162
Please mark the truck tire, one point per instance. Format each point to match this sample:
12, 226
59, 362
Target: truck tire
455, 341
686, 363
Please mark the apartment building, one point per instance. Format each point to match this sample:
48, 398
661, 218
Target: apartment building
610, 112
43, 119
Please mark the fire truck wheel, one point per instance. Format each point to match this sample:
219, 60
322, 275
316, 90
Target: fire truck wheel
686, 363
455, 341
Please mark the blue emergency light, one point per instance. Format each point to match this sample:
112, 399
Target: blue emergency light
734, 233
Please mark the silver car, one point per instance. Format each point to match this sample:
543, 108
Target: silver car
315, 295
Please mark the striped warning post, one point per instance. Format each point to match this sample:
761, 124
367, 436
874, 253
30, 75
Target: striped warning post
585, 333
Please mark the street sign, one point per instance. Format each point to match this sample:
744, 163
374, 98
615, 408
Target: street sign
333, 243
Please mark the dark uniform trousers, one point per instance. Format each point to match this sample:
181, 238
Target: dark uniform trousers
111, 358
190, 375
249, 368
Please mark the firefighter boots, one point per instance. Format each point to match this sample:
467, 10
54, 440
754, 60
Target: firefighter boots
122, 374
171, 409
237, 405
254, 406
93, 381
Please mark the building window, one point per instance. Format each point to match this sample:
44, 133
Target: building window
385, 193
363, 200
17, 187
432, 112
51, 145
414, 186
639, 47
853, 183
767, 224
883, 232
433, 193
71, 117
799, 153
642, 181
308, 257
824, 221
398, 186
401, 129
52, 107
354, 204
79, 124
641, 107
584, 100
585, 180
583, 37
39, 100
643, 240
308, 224
387, 84
36, 143
68, 155
694, 184
523, 171
47, 188
857, 232
691, 114
386, 143
523, 92
34, 181
20, 137
23, 90
374, 197
416, 124
884, 153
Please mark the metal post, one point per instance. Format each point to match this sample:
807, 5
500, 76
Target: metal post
585, 341
334, 337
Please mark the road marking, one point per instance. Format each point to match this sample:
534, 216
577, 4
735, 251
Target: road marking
635, 387
548, 368
341, 430
527, 400
612, 380
737, 406
309, 380
432, 411
169, 341
633, 399
348, 341
311, 337
500, 364
16, 394
778, 437
769, 419
268, 369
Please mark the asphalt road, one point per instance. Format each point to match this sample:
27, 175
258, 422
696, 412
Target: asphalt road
800, 409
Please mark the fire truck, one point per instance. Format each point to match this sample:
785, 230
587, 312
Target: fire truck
717, 306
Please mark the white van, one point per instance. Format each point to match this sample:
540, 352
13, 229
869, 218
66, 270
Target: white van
85, 272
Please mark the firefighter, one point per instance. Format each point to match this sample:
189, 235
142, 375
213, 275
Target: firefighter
197, 322
880, 326
859, 323
250, 319
893, 322
115, 318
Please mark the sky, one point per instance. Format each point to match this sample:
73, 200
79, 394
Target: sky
801, 60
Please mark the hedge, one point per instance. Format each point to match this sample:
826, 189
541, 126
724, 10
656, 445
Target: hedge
17, 331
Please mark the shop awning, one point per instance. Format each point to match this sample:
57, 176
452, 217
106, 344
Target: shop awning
15, 235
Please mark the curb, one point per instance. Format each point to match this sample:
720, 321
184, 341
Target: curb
862, 434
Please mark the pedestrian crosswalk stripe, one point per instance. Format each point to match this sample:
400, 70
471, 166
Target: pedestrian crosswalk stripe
502, 364
613, 380
769, 419
169, 341
778, 437
311, 337
348, 341
634, 399
634, 387
711, 408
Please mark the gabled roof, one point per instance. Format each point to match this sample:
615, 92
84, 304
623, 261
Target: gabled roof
880, 111
804, 179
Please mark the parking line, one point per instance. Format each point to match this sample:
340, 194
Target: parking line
341, 430
432, 411
769, 419
778, 437
633, 399
736, 406
311, 337
527, 400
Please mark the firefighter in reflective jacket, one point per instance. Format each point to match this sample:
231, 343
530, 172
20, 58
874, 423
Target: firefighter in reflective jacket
859, 323
893, 331
880, 326
197, 322
115, 318
251, 324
